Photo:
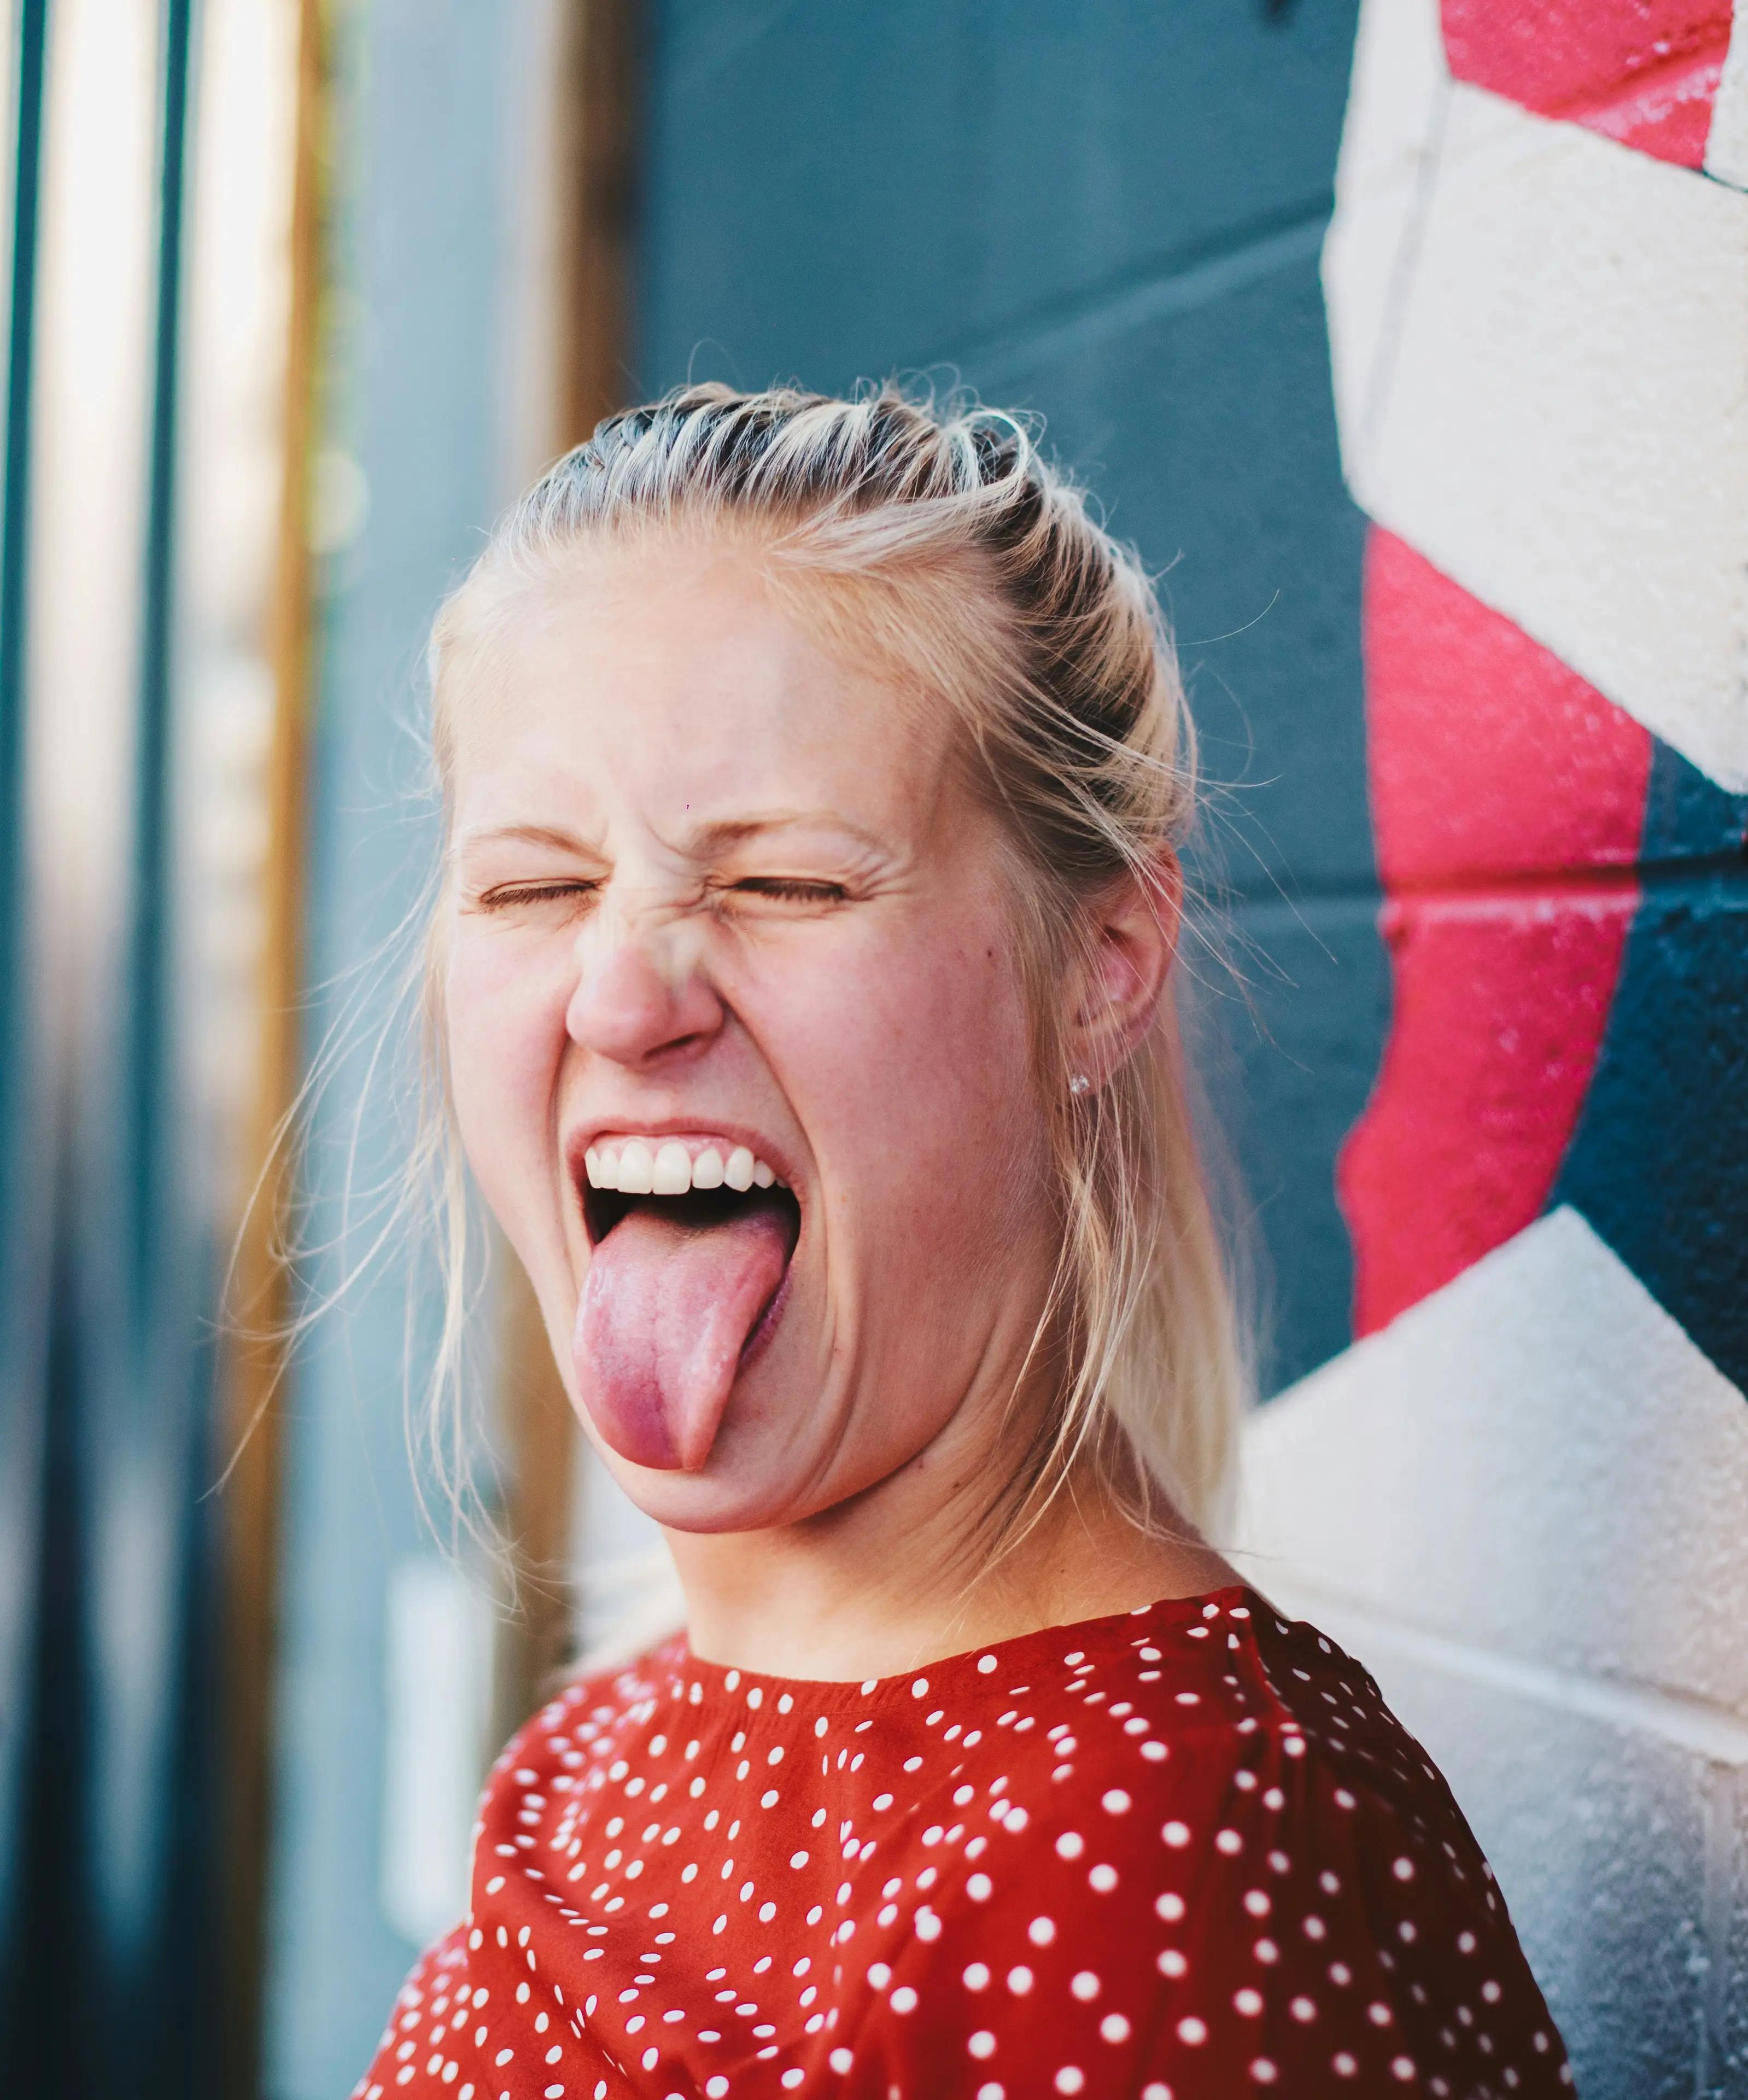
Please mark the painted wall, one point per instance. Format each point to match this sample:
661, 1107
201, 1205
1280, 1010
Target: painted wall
1111, 214
1482, 852
1522, 1498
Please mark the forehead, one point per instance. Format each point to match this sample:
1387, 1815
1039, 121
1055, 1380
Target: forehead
679, 677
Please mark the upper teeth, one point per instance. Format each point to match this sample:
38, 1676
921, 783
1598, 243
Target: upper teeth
671, 1168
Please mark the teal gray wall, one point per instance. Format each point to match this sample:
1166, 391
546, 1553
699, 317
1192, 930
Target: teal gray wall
1110, 214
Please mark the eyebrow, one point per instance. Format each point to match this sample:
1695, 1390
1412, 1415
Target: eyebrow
726, 831
532, 835
733, 830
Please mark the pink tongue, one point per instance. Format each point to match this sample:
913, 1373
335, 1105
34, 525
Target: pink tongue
667, 1309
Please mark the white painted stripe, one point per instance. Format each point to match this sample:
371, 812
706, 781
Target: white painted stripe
1395, 113
1727, 143
1536, 1460
1719, 1737
1538, 338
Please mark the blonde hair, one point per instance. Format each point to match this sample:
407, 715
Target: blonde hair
952, 546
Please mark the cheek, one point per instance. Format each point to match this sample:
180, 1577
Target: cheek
505, 1021
917, 1071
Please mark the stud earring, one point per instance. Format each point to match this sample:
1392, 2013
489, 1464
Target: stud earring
1079, 1085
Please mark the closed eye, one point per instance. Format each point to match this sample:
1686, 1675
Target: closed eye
507, 895
791, 889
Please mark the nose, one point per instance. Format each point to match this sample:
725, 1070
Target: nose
641, 995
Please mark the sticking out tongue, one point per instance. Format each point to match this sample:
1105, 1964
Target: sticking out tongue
667, 1307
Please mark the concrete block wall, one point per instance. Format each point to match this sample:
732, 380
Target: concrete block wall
1522, 1498
1110, 214
1481, 844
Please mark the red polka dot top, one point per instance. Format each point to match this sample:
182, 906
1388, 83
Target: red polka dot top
1181, 1854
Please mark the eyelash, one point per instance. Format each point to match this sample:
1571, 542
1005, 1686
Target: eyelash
792, 889
533, 893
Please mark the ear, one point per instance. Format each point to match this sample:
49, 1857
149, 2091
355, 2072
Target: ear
1116, 992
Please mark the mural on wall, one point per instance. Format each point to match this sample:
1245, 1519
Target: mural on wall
1525, 1498
1538, 350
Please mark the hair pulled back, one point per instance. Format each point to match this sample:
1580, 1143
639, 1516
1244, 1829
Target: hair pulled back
939, 537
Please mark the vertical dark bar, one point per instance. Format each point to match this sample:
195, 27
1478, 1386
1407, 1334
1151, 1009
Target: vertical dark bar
15, 505
169, 1973
146, 1078
24, 1480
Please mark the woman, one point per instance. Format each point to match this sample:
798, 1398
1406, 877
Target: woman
815, 772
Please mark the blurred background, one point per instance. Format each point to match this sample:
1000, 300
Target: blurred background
301, 293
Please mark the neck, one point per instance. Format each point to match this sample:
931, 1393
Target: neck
833, 1599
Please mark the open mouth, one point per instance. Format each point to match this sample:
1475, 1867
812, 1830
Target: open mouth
690, 1251
698, 1211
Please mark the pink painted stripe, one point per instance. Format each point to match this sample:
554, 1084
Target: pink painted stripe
1508, 808
1643, 72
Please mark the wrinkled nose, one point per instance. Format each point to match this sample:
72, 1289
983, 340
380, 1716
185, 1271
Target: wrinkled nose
641, 997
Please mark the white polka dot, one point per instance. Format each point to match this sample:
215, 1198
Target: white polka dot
979, 1888
982, 2044
1228, 1841
986, 1664
1114, 2027
1403, 1870
1041, 1931
840, 2061
1176, 1834
1192, 2030
1116, 1802
1104, 1879
1169, 1906
1401, 2067
794, 2077
1263, 2071
1069, 2078
1019, 1981
1070, 1845
1172, 1963
977, 1977
902, 2000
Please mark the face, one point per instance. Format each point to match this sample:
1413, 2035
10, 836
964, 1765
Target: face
737, 1042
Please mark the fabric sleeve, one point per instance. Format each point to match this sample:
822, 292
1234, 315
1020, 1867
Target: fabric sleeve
1345, 1936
